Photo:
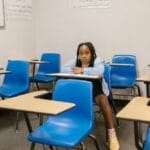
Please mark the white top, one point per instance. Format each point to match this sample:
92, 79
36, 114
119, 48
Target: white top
72, 75
97, 69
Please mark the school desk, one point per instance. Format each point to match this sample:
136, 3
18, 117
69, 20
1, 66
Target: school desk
30, 103
138, 111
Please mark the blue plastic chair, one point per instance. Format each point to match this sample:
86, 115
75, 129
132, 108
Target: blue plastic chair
70, 128
123, 77
53, 66
17, 81
147, 140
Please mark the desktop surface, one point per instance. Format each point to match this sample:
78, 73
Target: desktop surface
71, 75
29, 103
136, 110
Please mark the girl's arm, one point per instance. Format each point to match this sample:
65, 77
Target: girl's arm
98, 68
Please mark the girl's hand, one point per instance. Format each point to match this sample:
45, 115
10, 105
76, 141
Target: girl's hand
77, 70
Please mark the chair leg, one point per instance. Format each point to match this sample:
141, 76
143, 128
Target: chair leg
138, 88
37, 86
82, 146
95, 141
51, 147
32, 146
17, 121
41, 119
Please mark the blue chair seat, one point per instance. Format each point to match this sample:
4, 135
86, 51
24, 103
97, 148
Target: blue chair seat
11, 91
122, 82
65, 130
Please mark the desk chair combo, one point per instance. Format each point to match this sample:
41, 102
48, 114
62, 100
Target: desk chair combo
52, 66
16, 82
123, 77
69, 128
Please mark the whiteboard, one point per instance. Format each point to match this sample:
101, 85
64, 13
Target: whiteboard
2, 19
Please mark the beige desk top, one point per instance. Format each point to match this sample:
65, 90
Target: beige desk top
38, 62
121, 65
71, 75
28, 103
144, 78
136, 110
4, 71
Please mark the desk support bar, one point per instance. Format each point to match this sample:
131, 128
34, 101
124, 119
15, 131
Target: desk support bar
27, 122
137, 135
147, 89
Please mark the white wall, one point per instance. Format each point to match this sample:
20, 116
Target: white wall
123, 28
17, 39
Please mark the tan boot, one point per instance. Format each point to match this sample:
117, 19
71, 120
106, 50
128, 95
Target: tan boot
113, 142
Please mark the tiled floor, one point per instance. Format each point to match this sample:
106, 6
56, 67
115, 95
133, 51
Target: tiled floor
10, 140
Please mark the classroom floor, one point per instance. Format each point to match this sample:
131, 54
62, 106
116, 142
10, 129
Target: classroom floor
10, 140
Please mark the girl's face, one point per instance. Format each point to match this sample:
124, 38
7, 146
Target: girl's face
84, 54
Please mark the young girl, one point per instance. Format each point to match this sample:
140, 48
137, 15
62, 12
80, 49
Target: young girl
86, 62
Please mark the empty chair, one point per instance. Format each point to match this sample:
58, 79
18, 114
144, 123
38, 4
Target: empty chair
124, 76
71, 127
17, 81
52, 65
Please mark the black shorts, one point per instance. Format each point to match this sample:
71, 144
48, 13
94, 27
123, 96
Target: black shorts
97, 87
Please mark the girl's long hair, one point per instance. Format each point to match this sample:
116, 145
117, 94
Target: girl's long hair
92, 51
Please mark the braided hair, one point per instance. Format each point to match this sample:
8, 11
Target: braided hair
92, 51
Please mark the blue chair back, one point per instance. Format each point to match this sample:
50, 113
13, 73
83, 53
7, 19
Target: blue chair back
70, 128
19, 76
147, 140
78, 92
54, 63
123, 76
